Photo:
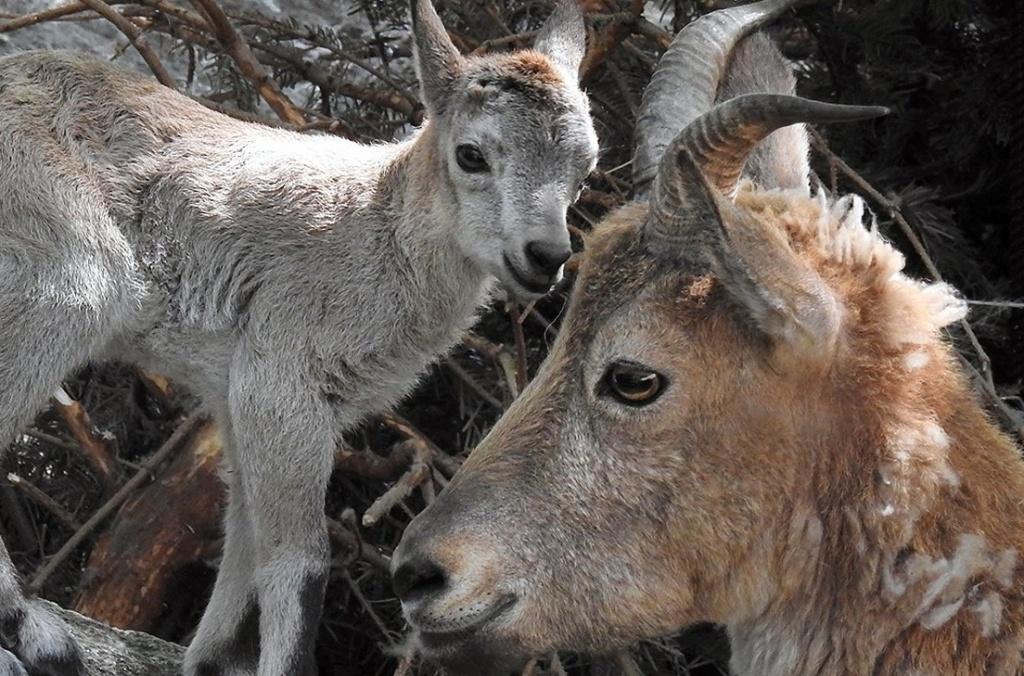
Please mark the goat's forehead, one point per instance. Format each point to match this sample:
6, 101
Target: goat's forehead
620, 281
525, 69
522, 83
615, 269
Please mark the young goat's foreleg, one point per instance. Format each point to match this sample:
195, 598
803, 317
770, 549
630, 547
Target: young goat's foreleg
283, 462
291, 574
227, 642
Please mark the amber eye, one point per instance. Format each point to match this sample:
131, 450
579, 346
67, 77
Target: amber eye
633, 384
470, 159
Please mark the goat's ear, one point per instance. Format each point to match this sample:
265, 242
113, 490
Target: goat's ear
781, 294
563, 37
781, 159
438, 62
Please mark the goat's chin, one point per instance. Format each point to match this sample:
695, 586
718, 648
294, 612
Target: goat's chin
480, 654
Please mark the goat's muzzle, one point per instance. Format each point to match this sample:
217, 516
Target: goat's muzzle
452, 597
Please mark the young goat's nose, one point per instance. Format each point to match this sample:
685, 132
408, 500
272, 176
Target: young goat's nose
547, 257
419, 579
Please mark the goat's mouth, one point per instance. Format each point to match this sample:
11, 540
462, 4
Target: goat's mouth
454, 638
533, 289
439, 630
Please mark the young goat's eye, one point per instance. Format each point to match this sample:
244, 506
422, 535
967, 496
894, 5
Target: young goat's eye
632, 384
470, 159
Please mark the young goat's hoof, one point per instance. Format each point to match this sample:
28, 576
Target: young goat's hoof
44, 646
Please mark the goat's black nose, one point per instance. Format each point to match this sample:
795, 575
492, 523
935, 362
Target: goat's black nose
547, 257
419, 578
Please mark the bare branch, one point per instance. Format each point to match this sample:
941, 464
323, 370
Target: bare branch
473, 385
616, 30
96, 452
135, 37
442, 460
38, 496
418, 472
42, 16
144, 473
238, 49
372, 466
344, 537
522, 367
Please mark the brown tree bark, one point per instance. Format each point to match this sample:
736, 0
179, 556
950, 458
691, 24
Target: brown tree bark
170, 524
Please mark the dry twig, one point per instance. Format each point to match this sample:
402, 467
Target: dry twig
238, 49
439, 458
522, 368
95, 449
369, 465
345, 538
473, 385
49, 14
38, 496
145, 472
418, 472
617, 29
405, 664
627, 664
135, 37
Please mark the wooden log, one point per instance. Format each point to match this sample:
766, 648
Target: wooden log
168, 525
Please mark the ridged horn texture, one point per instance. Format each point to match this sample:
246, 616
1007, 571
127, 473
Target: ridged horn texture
721, 140
685, 83
703, 164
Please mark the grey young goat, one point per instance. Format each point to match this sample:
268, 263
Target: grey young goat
296, 283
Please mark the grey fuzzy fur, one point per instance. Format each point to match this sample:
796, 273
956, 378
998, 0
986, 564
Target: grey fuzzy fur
295, 283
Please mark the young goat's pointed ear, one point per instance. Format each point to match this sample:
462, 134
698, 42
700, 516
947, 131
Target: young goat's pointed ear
563, 37
438, 61
782, 295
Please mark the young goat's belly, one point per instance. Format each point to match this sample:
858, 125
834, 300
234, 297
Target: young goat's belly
197, 360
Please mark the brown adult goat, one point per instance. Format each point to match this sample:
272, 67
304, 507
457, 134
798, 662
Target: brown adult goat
749, 417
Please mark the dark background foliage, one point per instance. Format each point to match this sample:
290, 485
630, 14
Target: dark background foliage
948, 158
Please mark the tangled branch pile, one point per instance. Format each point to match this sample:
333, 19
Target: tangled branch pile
110, 503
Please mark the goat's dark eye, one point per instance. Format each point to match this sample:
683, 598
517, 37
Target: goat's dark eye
470, 159
633, 384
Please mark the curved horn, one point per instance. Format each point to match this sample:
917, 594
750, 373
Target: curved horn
704, 162
721, 140
685, 83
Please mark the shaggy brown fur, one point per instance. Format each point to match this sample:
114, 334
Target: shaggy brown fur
850, 512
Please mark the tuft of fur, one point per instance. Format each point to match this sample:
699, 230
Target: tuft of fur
835, 237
